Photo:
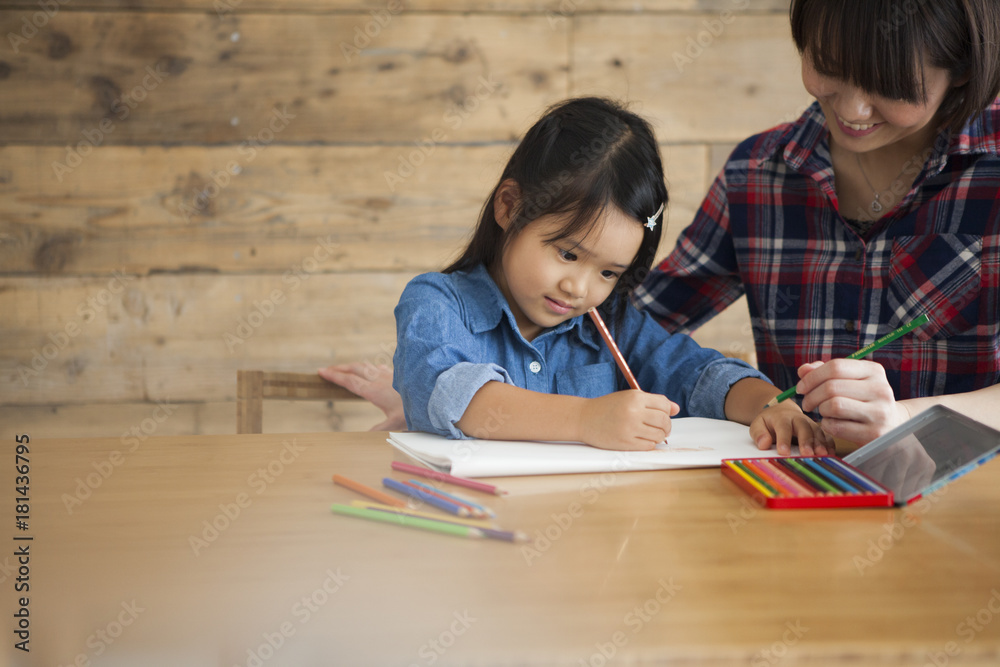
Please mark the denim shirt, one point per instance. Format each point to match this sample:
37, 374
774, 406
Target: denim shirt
455, 332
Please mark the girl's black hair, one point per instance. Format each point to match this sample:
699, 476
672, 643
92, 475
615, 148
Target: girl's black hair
879, 46
583, 155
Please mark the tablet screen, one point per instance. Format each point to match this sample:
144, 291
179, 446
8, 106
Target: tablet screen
931, 449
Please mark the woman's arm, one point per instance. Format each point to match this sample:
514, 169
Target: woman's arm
857, 404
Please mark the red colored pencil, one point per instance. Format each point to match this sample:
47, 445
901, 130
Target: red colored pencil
374, 494
615, 352
445, 477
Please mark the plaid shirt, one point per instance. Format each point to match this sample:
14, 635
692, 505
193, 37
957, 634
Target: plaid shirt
770, 227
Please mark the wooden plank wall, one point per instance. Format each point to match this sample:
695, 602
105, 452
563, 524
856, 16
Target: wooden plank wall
196, 186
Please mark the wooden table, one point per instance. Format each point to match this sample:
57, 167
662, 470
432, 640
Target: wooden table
222, 550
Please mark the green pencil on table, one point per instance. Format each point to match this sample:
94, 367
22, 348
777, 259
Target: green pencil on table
863, 352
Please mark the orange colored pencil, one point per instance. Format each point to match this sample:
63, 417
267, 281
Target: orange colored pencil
615, 352
374, 494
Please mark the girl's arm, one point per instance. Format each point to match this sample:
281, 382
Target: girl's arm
624, 420
777, 426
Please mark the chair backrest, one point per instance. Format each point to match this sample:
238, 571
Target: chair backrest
252, 387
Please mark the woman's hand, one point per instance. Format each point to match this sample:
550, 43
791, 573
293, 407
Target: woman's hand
853, 396
373, 383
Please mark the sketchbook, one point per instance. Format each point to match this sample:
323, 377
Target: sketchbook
694, 442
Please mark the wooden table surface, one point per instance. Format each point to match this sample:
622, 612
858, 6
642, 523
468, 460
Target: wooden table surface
222, 550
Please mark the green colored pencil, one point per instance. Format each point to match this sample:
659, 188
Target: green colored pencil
863, 352
408, 521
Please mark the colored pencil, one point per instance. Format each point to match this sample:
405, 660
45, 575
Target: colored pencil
374, 494
475, 508
445, 477
734, 465
824, 461
615, 352
795, 474
476, 523
781, 473
863, 352
428, 498
408, 521
805, 472
473, 512
858, 479
492, 533
766, 473
821, 471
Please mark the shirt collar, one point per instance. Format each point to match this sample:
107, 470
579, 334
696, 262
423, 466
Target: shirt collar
491, 306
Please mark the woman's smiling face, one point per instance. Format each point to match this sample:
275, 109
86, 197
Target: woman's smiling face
860, 121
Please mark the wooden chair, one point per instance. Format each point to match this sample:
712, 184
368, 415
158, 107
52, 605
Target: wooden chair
252, 387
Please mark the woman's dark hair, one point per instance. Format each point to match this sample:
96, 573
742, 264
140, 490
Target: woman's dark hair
582, 156
880, 47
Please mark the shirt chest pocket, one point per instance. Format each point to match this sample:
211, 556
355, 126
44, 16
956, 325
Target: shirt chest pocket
940, 275
588, 381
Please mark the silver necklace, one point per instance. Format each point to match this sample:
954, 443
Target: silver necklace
876, 205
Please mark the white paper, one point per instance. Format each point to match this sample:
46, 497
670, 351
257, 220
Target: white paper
693, 442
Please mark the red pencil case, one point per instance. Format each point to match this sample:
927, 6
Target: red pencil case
805, 481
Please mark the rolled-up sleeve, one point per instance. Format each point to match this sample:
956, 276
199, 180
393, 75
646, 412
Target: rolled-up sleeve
708, 396
439, 364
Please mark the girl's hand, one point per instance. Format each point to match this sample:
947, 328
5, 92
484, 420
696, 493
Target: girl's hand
853, 397
784, 424
627, 420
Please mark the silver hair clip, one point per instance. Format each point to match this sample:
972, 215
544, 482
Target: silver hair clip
651, 220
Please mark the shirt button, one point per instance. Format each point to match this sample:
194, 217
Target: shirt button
849, 326
534, 367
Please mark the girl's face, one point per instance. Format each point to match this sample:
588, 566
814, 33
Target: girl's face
548, 282
860, 122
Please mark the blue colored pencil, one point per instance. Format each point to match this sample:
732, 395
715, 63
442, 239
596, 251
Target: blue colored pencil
833, 470
445, 505
855, 476
483, 511
821, 471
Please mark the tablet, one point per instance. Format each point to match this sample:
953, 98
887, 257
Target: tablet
923, 454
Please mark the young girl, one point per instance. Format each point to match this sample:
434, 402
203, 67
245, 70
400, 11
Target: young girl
498, 347
876, 206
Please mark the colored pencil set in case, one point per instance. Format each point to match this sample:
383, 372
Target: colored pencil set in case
805, 481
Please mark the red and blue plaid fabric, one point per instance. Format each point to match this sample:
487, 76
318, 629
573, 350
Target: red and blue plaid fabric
770, 227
